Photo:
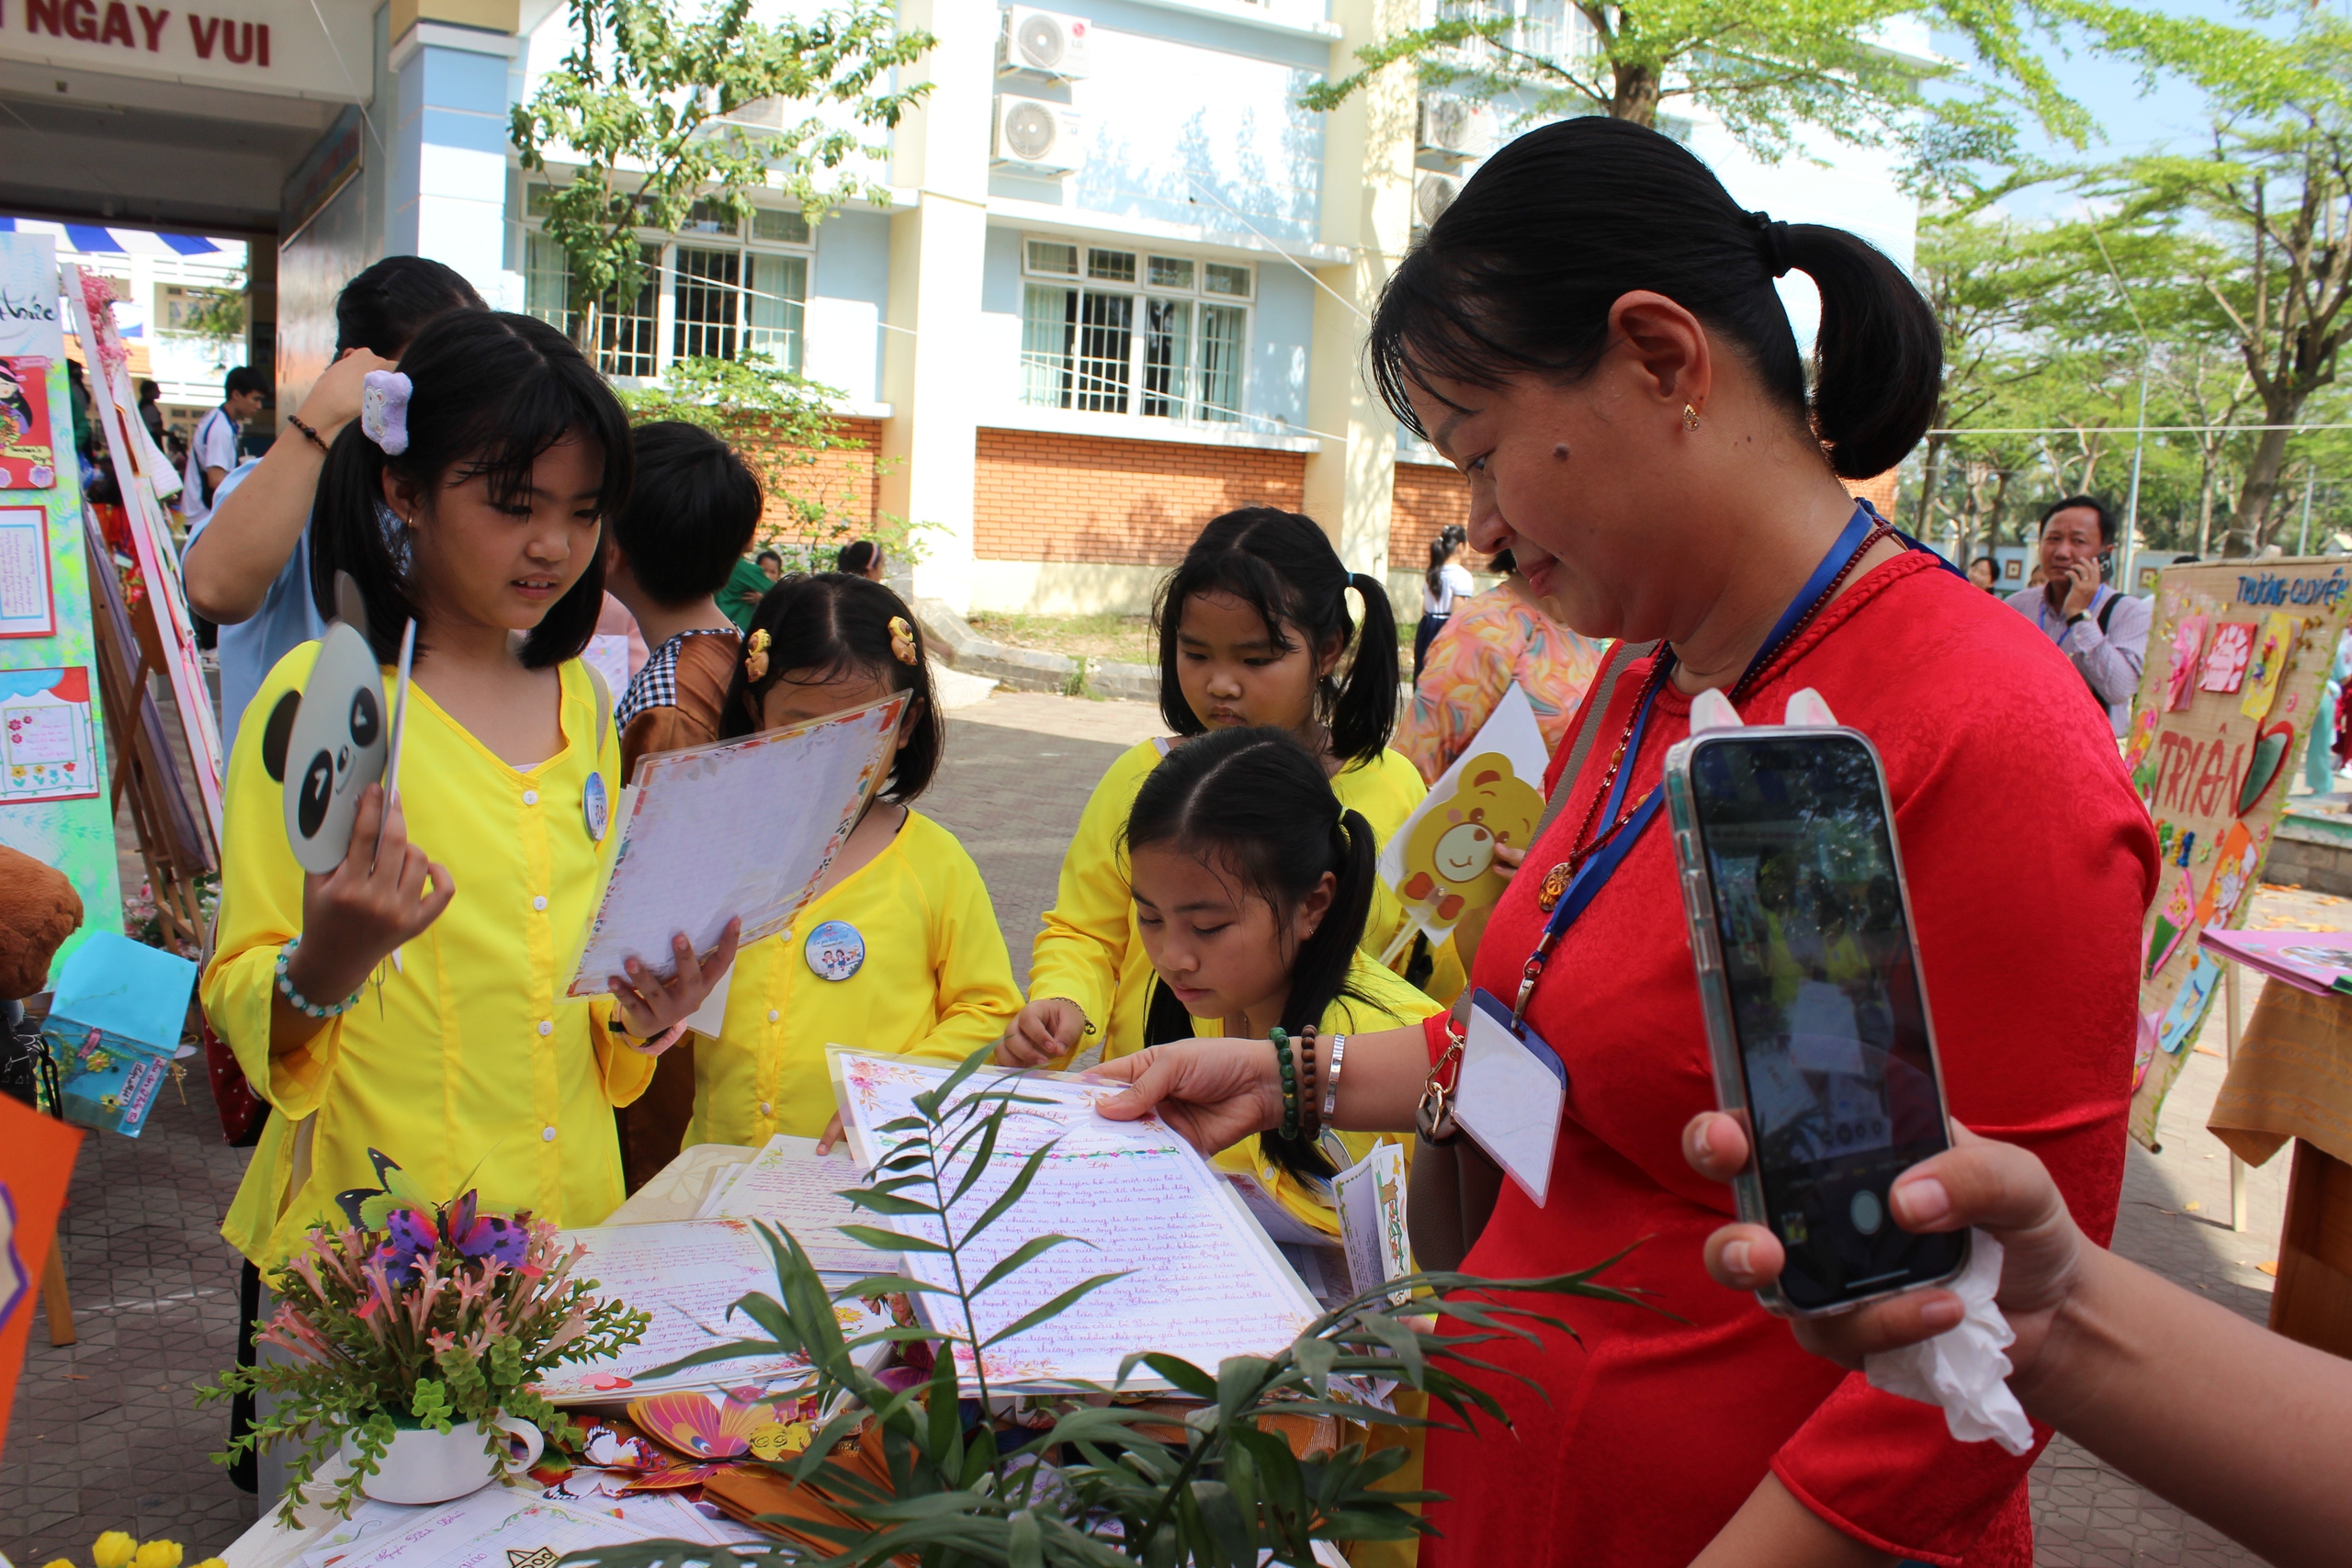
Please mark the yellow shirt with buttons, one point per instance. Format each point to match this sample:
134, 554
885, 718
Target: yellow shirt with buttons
1091, 950
934, 980
1381, 1000
470, 1056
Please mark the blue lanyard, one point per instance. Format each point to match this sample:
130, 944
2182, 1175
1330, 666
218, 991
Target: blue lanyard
1595, 873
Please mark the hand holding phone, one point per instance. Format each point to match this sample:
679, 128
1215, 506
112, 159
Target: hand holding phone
1817, 1020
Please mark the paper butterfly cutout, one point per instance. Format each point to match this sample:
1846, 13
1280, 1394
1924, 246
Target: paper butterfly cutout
415, 1227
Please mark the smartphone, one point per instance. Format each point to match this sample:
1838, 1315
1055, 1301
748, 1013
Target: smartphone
1818, 1022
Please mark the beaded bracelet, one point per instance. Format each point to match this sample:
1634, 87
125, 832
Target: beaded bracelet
308, 434
1290, 1081
1310, 1125
301, 1003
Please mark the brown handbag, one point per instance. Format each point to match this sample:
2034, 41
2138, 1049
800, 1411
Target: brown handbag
1451, 1193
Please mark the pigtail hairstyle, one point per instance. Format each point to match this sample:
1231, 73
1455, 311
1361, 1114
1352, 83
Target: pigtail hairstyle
1441, 550
1282, 566
821, 625
1253, 805
1518, 276
488, 393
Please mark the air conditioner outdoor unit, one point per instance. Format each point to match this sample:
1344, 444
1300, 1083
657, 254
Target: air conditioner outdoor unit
1046, 42
1460, 127
1041, 137
1432, 194
759, 114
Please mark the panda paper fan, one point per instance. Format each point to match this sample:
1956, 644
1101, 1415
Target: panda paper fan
329, 744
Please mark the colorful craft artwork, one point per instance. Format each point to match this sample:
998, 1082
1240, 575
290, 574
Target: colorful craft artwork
28, 460
715, 1426
48, 745
2225, 662
2188, 642
2269, 761
2271, 651
2187, 1008
2137, 762
2172, 922
2232, 877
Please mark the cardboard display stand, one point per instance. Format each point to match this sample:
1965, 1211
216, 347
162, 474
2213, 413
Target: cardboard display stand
2237, 658
48, 658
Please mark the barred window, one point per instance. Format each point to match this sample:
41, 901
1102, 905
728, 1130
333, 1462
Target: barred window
1132, 336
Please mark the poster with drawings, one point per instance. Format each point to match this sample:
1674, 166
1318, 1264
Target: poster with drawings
48, 747
745, 827
28, 603
2212, 760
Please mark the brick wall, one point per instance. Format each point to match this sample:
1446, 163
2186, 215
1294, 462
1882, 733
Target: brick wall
1084, 498
1428, 496
844, 478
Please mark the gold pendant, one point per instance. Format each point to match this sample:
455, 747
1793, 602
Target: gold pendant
1555, 882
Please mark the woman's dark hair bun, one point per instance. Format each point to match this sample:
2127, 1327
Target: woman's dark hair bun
1518, 275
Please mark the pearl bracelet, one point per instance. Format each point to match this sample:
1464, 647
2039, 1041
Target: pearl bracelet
301, 1003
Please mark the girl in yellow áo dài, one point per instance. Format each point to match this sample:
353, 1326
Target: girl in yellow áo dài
470, 496
900, 951
1253, 626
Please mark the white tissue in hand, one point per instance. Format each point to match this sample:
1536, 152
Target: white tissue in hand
1963, 1368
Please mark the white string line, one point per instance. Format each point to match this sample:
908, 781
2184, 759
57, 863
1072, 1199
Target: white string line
1303, 270
359, 102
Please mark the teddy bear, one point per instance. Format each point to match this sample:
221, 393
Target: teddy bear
1453, 847
38, 909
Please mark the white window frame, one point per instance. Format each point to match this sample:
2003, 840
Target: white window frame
1141, 291
662, 275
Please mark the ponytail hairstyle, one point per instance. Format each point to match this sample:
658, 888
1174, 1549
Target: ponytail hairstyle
1254, 806
386, 306
488, 392
822, 626
1282, 566
1450, 538
1519, 274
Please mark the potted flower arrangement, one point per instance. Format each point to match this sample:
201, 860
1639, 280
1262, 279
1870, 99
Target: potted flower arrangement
415, 1333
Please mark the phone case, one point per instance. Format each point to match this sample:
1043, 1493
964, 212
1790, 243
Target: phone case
1714, 987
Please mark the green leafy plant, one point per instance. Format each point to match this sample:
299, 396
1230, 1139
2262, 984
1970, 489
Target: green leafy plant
1102, 1485
387, 1333
660, 113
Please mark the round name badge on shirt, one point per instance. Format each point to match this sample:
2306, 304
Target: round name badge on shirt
593, 809
835, 950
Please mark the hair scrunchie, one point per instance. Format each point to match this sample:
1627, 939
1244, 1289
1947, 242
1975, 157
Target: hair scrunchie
1775, 236
755, 656
383, 410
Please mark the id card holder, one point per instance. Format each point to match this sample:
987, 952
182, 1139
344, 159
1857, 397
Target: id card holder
1511, 1093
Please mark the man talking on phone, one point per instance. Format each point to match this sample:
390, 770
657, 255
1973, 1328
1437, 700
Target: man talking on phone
2102, 633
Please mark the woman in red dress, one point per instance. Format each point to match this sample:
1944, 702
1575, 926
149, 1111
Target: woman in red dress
1591, 333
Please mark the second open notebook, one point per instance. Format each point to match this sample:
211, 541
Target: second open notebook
1200, 1279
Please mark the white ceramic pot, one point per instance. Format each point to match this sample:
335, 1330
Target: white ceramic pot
424, 1466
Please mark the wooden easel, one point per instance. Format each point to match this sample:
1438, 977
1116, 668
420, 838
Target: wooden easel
173, 843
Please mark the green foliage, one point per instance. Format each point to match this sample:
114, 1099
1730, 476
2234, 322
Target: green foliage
647, 104
1771, 69
783, 425
375, 1348
1097, 1489
219, 314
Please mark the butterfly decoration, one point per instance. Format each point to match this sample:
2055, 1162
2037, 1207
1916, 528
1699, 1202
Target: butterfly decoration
695, 1425
415, 1227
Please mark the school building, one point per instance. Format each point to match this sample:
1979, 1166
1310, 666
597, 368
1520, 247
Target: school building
1119, 285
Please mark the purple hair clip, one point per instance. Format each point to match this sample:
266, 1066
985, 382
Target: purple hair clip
383, 410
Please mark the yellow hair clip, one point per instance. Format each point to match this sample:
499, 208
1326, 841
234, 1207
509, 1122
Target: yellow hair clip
903, 641
755, 656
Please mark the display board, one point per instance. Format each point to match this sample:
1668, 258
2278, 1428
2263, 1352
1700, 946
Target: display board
2237, 658
53, 760
145, 477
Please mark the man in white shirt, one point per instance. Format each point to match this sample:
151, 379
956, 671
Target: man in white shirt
213, 451
2102, 633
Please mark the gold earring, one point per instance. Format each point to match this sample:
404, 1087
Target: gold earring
1690, 417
